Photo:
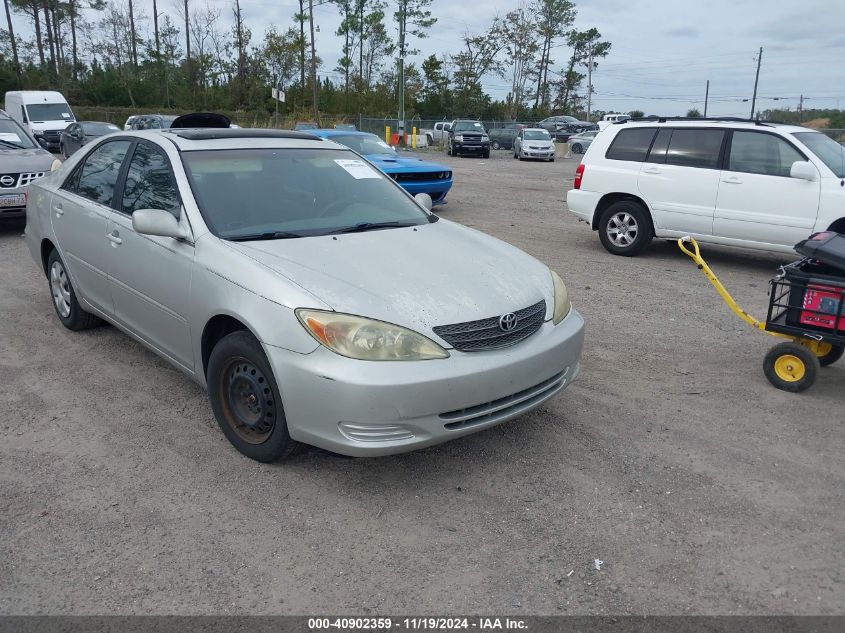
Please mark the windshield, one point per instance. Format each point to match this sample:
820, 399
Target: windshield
40, 112
570, 119
537, 135
99, 129
364, 144
167, 121
829, 151
468, 126
11, 135
256, 193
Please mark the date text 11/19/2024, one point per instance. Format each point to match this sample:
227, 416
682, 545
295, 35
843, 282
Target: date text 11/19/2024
416, 624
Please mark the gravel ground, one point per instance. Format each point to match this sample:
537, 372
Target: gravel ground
703, 489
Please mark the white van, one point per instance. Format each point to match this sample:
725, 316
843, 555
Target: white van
610, 119
731, 182
43, 113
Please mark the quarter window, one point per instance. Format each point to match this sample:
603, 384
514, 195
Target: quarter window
98, 174
149, 182
695, 147
631, 144
760, 153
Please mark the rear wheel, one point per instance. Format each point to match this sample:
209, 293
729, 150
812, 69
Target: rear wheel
577, 148
827, 353
72, 316
496, 145
624, 228
246, 400
791, 367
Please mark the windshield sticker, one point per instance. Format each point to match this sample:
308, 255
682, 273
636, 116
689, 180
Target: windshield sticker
358, 169
384, 145
66, 115
10, 136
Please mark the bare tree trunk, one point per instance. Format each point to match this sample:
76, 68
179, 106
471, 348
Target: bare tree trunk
14, 44
188, 67
133, 34
155, 27
302, 45
49, 28
36, 20
57, 36
72, 4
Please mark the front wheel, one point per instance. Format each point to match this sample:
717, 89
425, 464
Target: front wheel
624, 228
496, 145
791, 367
486, 154
245, 398
72, 316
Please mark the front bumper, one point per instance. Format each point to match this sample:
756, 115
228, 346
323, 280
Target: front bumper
364, 408
539, 153
474, 148
437, 189
16, 210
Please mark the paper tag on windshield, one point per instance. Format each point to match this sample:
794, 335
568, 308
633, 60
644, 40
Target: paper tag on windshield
66, 115
10, 136
358, 169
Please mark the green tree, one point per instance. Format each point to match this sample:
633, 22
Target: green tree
554, 19
584, 44
519, 30
693, 113
636, 114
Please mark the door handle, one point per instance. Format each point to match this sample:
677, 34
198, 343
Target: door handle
114, 237
651, 170
732, 180
58, 209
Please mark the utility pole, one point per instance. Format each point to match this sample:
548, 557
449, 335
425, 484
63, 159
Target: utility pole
706, 96
801, 109
589, 82
400, 73
316, 105
756, 79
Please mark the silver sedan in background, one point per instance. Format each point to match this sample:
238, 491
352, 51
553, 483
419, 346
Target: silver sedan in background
284, 274
580, 142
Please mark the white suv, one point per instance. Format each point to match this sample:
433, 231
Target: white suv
731, 182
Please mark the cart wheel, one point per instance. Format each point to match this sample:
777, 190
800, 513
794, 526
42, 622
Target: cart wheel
828, 353
791, 367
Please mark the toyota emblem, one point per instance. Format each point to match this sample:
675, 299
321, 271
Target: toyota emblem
507, 322
7, 181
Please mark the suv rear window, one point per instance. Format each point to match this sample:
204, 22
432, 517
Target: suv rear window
695, 147
631, 144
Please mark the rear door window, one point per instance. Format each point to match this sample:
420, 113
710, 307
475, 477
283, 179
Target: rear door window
657, 154
631, 144
695, 148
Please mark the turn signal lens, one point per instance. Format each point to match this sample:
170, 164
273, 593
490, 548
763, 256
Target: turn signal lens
562, 303
579, 176
367, 339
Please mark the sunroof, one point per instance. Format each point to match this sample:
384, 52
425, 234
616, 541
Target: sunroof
205, 134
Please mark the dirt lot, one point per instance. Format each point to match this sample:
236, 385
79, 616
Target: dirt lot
702, 488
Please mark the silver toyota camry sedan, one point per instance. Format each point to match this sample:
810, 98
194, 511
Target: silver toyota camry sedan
315, 300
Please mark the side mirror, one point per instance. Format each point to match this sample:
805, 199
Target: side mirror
157, 222
423, 199
803, 170
43, 143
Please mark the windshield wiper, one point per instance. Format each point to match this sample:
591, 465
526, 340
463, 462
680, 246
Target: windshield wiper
373, 226
11, 144
269, 235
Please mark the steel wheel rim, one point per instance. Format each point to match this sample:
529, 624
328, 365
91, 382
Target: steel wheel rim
60, 289
622, 229
249, 405
789, 368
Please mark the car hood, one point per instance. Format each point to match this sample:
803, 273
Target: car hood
50, 125
24, 160
391, 164
438, 274
542, 143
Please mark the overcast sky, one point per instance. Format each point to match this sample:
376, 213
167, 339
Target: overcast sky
663, 50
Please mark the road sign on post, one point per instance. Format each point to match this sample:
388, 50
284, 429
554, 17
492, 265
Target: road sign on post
279, 95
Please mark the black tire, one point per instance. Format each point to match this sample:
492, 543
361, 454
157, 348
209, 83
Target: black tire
67, 308
577, 148
515, 156
791, 367
496, 145
449, 148
486, 154
832, 356
632, 226
551, 160
429, 140
246, 400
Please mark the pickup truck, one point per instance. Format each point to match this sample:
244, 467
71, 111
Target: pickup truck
438, 134
502, 137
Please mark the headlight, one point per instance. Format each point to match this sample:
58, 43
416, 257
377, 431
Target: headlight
367, 339
484, 137
459, 137
562, 304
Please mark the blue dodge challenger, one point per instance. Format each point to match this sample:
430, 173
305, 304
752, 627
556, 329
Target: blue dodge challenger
414, 175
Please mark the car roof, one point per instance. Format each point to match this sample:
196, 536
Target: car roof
327, 132
192, 139
726, 122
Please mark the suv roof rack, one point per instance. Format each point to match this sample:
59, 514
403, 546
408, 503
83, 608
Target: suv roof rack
207, 134
663, 119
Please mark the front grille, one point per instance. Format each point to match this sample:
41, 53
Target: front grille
505, 407
19, 180
420, 176
485, 334
473, 138
52, 136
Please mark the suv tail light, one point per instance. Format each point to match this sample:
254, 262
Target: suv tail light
579, 176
